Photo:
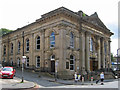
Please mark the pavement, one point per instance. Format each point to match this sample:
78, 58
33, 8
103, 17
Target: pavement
17, 85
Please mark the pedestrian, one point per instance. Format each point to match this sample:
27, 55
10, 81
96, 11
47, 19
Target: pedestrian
76, 78
102, 78
79, 77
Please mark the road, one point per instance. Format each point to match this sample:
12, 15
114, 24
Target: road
44, 83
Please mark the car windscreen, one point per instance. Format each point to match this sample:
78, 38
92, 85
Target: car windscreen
7, 69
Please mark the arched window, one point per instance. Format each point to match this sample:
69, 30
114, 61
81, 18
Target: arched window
52, 40
72, 62
18, 47
11, 48
38, 43
91, 44
4, 50
38, 61
18, 62
71, 40
27, 45
52, 57
27, 62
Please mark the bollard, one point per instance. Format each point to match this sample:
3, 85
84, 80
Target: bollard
82, 80
91, 80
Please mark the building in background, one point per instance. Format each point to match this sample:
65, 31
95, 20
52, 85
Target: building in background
62, 41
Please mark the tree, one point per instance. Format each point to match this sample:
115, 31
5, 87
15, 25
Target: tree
4, 31
112, 57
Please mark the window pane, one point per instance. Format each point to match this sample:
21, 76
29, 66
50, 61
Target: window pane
71, 67
67, 65
71, 62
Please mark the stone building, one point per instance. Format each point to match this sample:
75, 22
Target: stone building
60, 41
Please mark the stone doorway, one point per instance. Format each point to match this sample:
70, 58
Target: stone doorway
93, 65
53, 66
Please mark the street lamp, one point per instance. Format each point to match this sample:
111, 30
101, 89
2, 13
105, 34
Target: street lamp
23, 58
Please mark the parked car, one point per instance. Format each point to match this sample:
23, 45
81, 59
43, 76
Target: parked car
7, 72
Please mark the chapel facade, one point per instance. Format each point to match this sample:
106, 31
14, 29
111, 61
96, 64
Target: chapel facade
60, 41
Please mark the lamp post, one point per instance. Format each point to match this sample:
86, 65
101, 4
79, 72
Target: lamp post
23, 58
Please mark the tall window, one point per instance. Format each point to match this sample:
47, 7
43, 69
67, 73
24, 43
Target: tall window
71, 40
91, 44
18, 62
27, 45
105, 48
11, 48
72, 62
38, 61
27, 62
4, 50
18, 47
38, 43
52, 40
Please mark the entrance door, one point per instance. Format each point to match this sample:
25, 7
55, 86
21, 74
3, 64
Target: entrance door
93, 65
52, 66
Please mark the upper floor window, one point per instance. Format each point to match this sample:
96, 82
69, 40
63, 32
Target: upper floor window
52, 40
71, 40
72, 62
18, 47
105, 48
38, 43
38, 61
91, 44
11, 48
27, 45
4, 50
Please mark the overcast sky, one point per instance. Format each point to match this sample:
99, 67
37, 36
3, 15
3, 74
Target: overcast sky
18, 13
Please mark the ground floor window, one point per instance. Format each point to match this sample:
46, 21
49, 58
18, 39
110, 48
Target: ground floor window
72, 61
11, 62
18, 62
38, 61
67, 65
27, 62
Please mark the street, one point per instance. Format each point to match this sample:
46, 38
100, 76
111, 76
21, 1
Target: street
45, 82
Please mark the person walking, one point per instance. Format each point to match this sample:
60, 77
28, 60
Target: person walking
76, 78
79, 76
102, 78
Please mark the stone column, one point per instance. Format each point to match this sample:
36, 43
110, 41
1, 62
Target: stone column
87, 52
107, 57
99, 55
83, 52
109, 46
103, 54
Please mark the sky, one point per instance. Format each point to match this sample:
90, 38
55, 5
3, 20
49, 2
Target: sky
18, 13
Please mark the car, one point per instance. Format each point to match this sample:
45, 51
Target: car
7, 72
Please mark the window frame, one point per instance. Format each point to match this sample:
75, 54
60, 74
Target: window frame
72, 40
37, 58
27, 45
27, 62
52, 36
37, 43
19, 44
11, 48
73, 60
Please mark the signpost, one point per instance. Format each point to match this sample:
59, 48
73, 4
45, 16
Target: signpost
23, 61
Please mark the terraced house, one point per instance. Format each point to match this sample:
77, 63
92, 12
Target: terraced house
62, 41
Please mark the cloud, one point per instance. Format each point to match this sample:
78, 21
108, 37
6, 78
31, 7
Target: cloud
114, 46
